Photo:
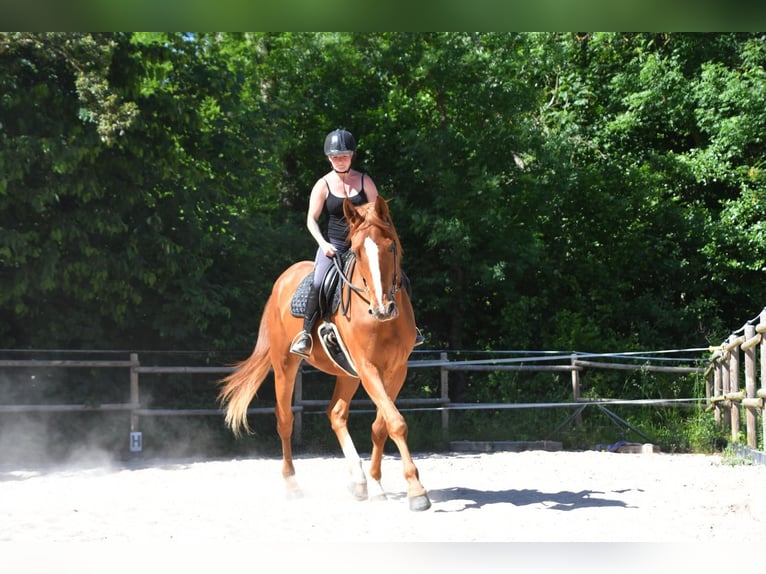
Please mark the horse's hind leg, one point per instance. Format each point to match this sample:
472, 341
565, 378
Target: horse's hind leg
337, 412
284, 385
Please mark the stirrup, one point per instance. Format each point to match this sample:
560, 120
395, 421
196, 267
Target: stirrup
419, 338
302, 344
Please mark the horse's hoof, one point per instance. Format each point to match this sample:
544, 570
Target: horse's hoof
420, 503
294, 494
378, 498
358, 490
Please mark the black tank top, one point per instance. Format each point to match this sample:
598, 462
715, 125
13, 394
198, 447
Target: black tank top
337, 227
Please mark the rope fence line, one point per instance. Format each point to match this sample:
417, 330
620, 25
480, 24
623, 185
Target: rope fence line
575, 363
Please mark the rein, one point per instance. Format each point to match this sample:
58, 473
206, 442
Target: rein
345, 302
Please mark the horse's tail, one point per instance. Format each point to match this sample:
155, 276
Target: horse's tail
241, 386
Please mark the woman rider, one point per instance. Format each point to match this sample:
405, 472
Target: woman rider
340, 183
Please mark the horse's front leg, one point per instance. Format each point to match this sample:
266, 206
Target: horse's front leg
389, 421
337, 412
379, 437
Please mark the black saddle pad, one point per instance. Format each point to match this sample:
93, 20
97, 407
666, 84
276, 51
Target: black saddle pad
329, 294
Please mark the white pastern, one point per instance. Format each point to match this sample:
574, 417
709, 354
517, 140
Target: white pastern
354, 462
376, 490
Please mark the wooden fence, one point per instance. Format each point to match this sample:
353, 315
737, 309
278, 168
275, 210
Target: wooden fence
730, 403
573, 363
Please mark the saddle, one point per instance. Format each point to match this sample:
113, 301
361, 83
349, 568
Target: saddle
330, 293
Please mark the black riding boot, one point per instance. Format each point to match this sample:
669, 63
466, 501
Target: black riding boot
419, 338
302, 343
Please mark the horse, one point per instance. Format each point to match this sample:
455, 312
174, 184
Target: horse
377, 327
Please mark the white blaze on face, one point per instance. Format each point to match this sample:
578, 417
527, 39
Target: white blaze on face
372, 256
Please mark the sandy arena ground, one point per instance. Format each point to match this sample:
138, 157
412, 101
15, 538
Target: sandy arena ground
533, 496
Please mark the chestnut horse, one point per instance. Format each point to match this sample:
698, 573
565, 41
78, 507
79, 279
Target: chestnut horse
377, 327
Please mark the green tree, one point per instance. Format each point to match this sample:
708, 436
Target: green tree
595, 191
59, 115
122, 233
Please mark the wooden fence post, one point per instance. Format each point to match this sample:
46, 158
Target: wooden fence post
734, 388
444, 397
717, 386
575, 378
762, 321
576, 387
725, 386
750, 417
136, 438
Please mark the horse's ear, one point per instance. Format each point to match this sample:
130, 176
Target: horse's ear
350, 212
381, 208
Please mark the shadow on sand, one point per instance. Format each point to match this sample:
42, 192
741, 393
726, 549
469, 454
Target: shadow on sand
563, 500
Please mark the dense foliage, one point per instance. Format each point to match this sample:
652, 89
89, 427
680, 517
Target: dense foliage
593, 192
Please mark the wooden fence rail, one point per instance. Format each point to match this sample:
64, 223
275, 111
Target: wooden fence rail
575, 365
726, 398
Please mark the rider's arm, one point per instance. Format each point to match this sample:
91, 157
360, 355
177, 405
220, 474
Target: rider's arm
316, 205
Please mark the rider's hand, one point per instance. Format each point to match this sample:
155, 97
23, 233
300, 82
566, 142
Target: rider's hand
329, 250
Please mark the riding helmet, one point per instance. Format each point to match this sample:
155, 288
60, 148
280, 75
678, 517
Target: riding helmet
339, 142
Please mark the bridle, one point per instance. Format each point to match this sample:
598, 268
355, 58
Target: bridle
345, 299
